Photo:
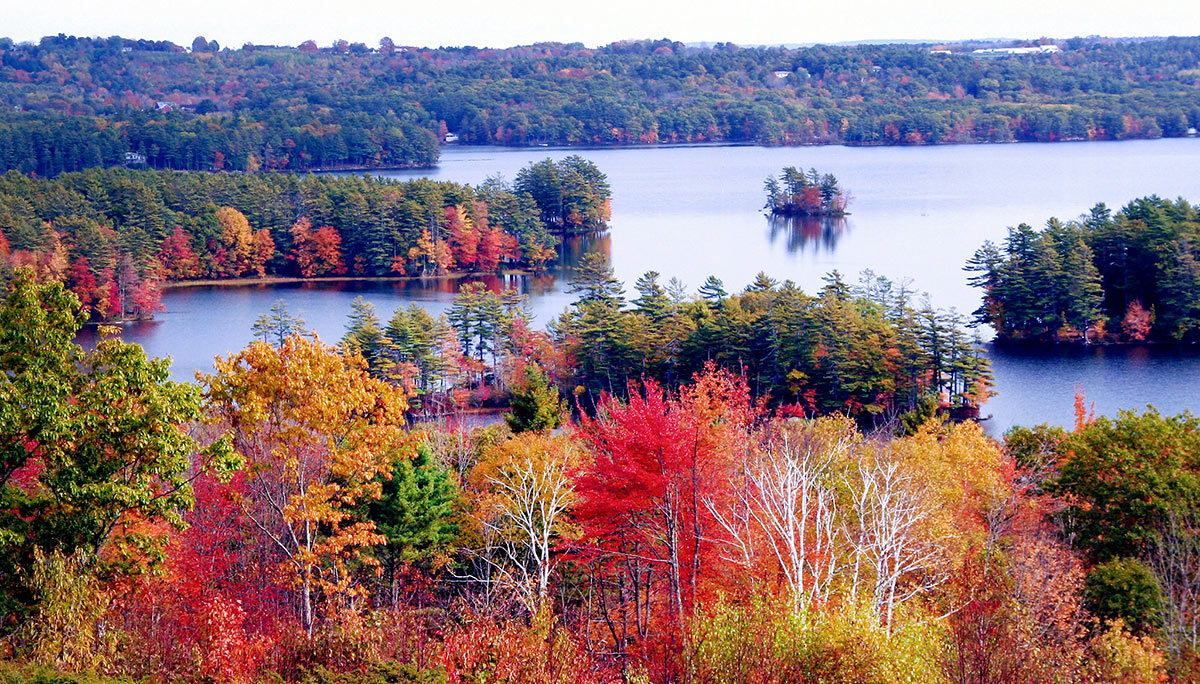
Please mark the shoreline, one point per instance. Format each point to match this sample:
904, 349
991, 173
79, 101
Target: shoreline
359, 168
809, 214
807, 143
284, 280
583, 147
1050, 344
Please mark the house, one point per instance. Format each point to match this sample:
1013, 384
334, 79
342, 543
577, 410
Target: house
135, 159
1035, 50
450, 138
782, 74
164, 106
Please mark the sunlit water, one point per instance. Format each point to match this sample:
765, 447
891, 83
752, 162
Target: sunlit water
918, 213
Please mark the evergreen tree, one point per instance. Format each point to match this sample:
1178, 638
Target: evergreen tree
535, 403
713, 290
277, 325
411, 337
986, 264
1085, 293
773, 191
653, 300
762, 283
416, 513
1179, 298
363, 333
594, 282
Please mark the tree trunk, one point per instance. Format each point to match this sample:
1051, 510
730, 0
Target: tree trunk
306, 605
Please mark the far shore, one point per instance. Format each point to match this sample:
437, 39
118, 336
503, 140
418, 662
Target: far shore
279, 280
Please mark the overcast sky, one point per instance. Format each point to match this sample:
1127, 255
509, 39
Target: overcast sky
520, 22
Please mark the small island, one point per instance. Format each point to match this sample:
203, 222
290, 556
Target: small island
796, 193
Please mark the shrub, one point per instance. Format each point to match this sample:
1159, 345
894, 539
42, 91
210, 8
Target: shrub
1124, 589
764, 640
1119, 656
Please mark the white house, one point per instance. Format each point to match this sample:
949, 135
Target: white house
1035, 50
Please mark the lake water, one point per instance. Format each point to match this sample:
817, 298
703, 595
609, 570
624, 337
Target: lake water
917, 213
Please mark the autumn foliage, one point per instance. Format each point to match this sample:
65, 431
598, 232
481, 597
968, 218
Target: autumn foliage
316, 252
312, 456
674, 533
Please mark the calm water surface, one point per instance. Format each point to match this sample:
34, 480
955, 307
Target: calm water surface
917, 213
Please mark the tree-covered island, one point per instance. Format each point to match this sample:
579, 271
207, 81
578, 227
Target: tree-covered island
116, 236
797, 193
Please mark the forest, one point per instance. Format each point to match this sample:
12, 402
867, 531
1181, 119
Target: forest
116, 236
1129, 277
68, 103
868, 351
289, 519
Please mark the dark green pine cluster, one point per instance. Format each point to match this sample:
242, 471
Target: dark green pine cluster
868, 350
1133, 276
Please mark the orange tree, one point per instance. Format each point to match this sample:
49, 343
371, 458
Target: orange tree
318, 434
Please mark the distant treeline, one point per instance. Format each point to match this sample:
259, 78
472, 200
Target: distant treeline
70, 103
49, 143
113, 233
1129, 277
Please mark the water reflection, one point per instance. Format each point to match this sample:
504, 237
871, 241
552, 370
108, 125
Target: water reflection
574, 247
801, 231
204, 320
1040, 381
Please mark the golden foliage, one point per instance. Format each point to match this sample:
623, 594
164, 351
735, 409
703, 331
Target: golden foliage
317, 433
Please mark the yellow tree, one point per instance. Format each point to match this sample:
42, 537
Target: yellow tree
318, 434
917, 508
236, 240
243, 250
523, 495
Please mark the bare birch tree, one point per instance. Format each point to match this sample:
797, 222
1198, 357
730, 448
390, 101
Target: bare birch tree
785, 500
526, 494
892, 555
1175, 559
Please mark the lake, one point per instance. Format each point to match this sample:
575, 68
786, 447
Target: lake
917, 213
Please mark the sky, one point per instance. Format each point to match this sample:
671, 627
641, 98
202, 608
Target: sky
506, 23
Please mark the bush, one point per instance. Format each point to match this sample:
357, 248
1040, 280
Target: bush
380, 673
482, 651
1124, 589
1120, 657
63, 631
765, 640
11, 673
